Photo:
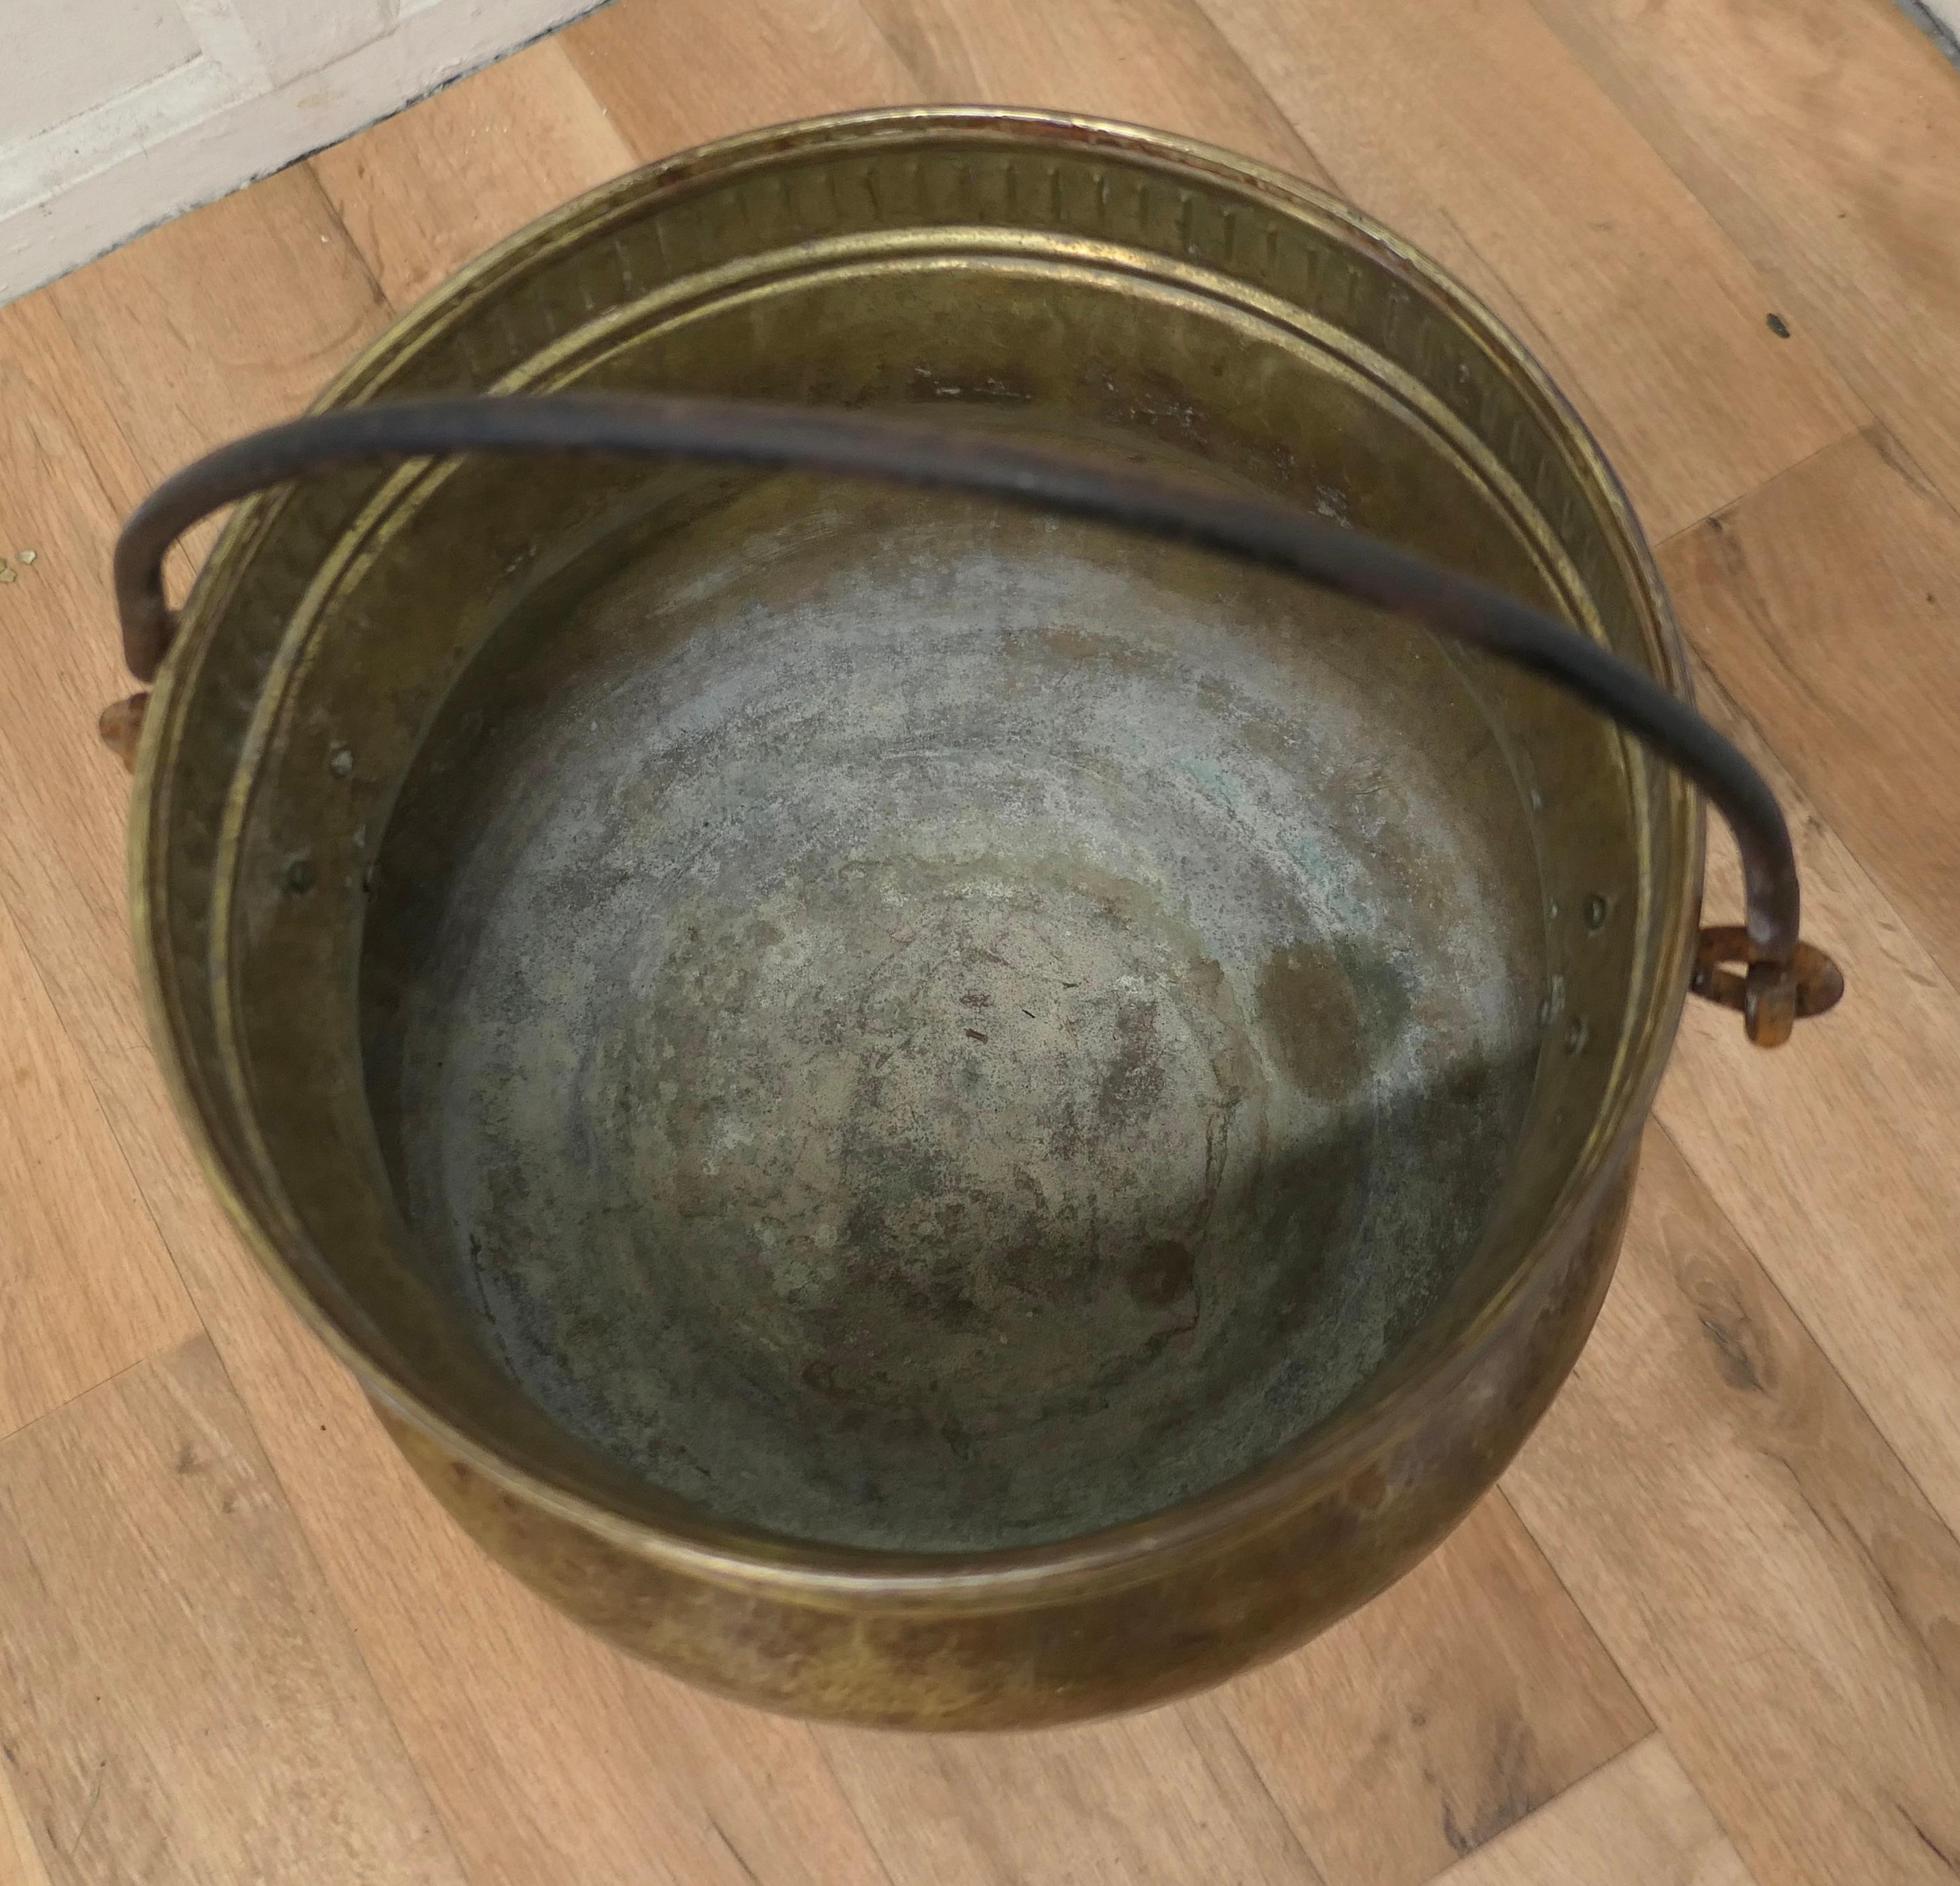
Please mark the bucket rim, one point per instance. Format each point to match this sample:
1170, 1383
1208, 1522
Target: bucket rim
688, 1538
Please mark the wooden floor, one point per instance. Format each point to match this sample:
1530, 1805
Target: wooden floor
1709, 1630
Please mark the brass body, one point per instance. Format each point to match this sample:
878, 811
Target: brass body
1090, 1235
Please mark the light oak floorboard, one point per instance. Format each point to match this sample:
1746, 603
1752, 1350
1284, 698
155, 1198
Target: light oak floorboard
1636, 1822
1824, 135
1832, 1157
1474, 132
86, 1285
1465, 1698
1828, 604
183, 1701
1757, 1560
1158, 62
425, 192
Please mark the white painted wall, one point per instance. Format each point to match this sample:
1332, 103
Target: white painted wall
116, 114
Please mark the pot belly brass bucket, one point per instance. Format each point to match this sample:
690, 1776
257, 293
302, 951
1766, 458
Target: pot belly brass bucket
936, 960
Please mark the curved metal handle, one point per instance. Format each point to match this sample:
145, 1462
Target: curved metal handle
1785, 979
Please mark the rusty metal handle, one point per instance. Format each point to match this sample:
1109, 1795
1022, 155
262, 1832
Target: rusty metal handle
1785, 977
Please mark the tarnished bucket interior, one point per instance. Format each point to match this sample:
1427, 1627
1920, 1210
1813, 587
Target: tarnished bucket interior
885, 1019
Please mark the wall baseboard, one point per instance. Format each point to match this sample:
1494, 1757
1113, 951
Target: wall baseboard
1941, 18
235, 110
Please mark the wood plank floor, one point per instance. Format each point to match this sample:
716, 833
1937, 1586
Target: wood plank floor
1708, 1629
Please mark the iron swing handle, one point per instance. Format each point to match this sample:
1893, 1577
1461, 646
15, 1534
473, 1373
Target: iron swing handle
1782, 976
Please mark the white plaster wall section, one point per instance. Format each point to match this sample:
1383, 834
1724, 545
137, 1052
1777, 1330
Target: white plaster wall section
115, 114
1941, 18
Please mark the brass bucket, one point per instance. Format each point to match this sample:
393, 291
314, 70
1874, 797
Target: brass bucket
955, 1102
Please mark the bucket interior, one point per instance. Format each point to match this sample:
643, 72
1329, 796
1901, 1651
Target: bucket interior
897, 1022
914, 1024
